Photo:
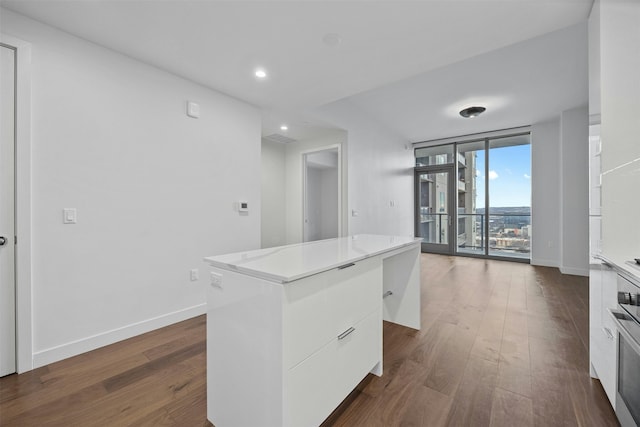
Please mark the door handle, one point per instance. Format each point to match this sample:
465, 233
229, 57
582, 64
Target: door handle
3, 240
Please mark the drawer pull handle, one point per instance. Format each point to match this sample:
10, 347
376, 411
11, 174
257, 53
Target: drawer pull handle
608, 333
346, 266
386, 294
346, 333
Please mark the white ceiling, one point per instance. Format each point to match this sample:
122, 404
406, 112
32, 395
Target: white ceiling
525, 83
220, 43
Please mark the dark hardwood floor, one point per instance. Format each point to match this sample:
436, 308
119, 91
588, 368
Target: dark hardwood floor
501, 344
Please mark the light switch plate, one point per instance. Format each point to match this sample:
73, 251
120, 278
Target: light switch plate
193, 110
69, 216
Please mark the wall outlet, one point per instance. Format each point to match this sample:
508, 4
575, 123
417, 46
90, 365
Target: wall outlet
194, 274
216, 280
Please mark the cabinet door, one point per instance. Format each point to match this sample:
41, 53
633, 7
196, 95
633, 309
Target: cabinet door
595, 316
604, 338
609, 340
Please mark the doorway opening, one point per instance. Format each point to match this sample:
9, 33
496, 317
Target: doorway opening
322, 198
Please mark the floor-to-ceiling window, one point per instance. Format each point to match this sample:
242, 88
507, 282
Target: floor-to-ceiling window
473, 196
509, 192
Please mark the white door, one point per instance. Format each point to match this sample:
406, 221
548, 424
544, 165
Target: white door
7, 202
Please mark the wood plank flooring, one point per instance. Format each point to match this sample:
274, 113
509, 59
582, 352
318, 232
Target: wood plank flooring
501, 344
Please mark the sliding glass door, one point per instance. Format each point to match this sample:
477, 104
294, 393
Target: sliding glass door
435, 205
474, 197
435, 208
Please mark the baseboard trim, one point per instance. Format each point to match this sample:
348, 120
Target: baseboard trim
55, 354
564, 270
544, 262
575, 271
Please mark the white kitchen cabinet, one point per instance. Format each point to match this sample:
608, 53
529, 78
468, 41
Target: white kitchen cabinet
603, 336
292, 330
319, 383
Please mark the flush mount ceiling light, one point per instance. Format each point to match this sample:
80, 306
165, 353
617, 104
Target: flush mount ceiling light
260, 73
332, 39
284, 127
472, 111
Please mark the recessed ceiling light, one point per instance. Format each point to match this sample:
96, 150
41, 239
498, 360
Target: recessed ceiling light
472, 111
284, 127
260, 73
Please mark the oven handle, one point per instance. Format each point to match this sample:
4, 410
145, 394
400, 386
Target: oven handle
617, 316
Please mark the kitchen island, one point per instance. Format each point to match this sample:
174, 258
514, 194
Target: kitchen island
292, 330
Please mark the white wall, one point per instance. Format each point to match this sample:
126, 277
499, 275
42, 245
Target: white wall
380, 170
560, 192
154, 189
329, 207
273, 224
594, 61
314, 230
325, 158
620, 127
294, 170
322, 203
545, 193
575, 191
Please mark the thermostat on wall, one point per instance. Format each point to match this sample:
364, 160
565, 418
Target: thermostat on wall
243, 206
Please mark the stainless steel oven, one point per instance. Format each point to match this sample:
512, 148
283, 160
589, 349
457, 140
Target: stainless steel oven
627, 319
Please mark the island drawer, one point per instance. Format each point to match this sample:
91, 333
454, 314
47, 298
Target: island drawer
319, 308
317, 385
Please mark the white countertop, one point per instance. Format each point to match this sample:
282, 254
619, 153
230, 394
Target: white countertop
292, 262
628, 268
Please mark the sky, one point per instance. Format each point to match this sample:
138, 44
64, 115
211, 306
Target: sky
509, 177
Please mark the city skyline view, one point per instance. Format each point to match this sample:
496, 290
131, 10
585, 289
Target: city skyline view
509, 177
